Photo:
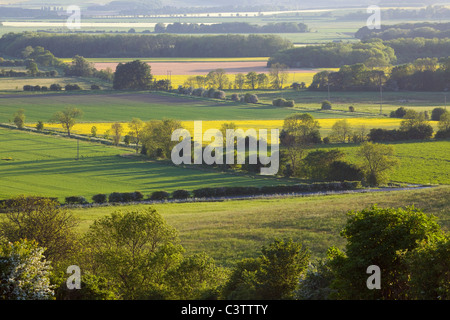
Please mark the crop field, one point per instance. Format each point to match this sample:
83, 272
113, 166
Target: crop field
9, 85
326, 124
47, 166
111, 106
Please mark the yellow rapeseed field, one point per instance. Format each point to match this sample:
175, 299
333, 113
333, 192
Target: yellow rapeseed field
179, 80
326, 124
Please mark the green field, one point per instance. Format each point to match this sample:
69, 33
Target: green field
110, 106
47, 166
117, 106
232, 230
41, 165
14, 85
425, 162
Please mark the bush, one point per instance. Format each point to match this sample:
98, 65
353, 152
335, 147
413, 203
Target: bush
198, 92
251, 98
280, 102
437, 113
235, 97
76, 200
55, 87
95, 87
211, 92
443, 134
290, 103
115, 197
100, 198
342, 171
399, 113
72, 87
159, 195
118, 197
40, 126
326, 105
220, 95
181, 194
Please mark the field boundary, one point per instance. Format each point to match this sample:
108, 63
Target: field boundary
250, 197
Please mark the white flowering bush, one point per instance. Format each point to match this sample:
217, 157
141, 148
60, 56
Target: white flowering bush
24, 272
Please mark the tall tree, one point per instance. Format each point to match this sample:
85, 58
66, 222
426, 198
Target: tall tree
377, 161
252, 79
117, 131
67, 118
278, 75
19, 118
218, 79
136, 125
135, 249
341, 131
135, 75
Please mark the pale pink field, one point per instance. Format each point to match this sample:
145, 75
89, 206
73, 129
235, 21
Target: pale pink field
202, 68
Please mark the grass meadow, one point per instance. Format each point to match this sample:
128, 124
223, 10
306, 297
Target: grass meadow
232, 230
42, 165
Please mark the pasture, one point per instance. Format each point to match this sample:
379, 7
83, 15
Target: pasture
110, 106
232, 230
34, 164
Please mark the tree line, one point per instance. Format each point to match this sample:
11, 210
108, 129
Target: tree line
232, 27
333, 55
133, 45
134, 254
371, 52
427, 30
428, 74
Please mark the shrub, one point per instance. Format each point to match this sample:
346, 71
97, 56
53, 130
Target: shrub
251, 98
341, 171
437, 113
220, 95
72, 87
40, 126
290, 103
138, 196
76, 200
100, 198
159, 195
326, 105
280, 102
95, 87
442, 134
115, 197
211, 92
399, 113
198, 92
235, 97
181, 194
205, 193
55, 87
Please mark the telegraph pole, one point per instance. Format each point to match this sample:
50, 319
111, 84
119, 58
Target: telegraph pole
381, 96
